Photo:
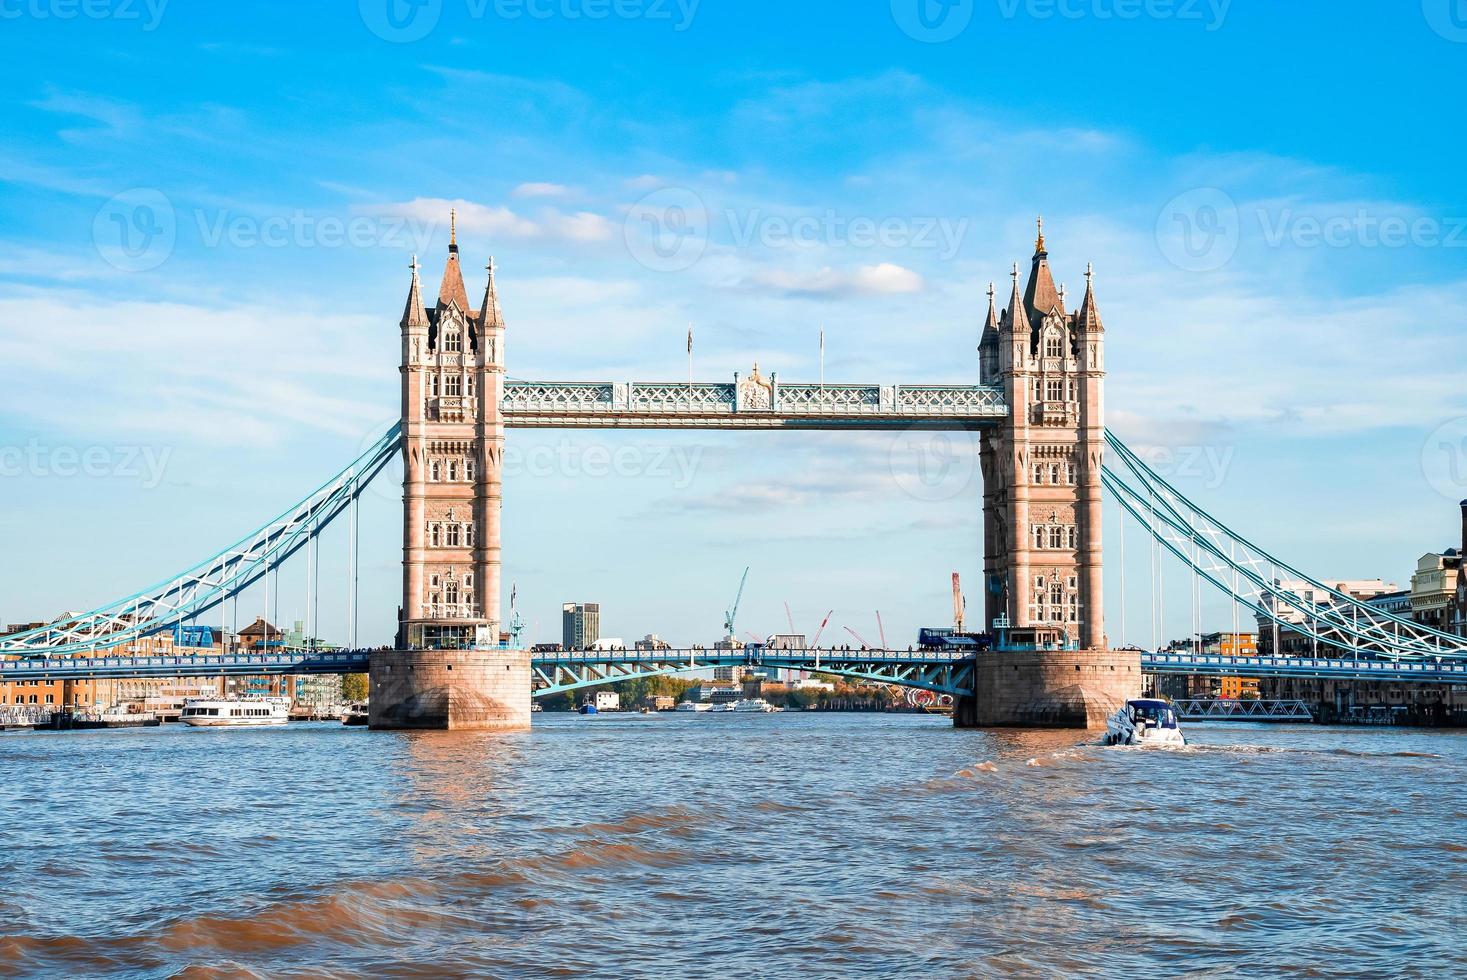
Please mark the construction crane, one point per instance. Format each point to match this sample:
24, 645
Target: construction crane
859, 638
816, 642
788, 617
728, 616
881, 630
957, 604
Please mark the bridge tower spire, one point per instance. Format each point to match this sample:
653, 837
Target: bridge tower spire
448, 670
1041, 499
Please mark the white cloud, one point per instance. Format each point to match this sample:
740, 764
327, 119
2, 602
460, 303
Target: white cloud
884, 277
538, 189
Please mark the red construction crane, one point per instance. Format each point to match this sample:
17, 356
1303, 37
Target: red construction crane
881, 630
816, 642
958, 604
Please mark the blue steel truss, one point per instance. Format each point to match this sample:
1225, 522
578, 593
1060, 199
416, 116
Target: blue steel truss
1255, 578
204, 586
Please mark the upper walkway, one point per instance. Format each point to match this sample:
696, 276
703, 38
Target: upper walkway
748, 404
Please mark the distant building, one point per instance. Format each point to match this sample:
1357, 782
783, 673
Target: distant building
608, 701
1462, 579
732, 674
1233, 645
716, 693
1434, 589
1279, 639
651, 643
580, 625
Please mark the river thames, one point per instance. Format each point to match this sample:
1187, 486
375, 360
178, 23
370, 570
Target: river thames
765, 845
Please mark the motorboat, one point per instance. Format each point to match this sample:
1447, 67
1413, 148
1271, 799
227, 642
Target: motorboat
1144, 721
246, 712
694, 706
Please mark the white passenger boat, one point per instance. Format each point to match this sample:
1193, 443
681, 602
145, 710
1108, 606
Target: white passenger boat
694, 706
1144, 721
753, 706
235, 712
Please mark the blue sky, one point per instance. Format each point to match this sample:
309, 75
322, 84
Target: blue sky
1270, 194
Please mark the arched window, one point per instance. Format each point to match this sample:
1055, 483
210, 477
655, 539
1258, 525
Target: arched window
434, 474
432, 386
451, 385
469, 389
1055, 532
1054, 473
433, 541
1039, 535
468, 581
1053, 345
1038, 473
450, 596
452, 471
453, 342
469, 470
453, 535
468, 535
1073, 535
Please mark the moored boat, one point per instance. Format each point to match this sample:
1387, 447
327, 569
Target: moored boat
249, 712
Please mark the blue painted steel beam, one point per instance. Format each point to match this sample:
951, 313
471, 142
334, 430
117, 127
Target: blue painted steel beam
934, 671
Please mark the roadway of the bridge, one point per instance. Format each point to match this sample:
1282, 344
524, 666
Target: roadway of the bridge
949, 673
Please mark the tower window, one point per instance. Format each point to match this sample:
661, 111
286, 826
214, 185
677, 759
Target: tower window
452, 471
1055, 390
453, 342
432, 386
453, 535
468, 535
470, 386
434, 473
434, 537
451, 385
1053, 345
469, 470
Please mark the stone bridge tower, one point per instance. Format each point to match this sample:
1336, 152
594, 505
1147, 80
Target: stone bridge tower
1042, 563
448, 670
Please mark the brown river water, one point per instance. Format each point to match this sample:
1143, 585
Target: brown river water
732, 845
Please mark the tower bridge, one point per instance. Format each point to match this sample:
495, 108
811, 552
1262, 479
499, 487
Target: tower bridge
1045, 455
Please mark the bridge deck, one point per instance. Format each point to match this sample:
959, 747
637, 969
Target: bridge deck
933, 670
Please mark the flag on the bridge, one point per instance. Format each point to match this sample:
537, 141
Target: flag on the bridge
690, 338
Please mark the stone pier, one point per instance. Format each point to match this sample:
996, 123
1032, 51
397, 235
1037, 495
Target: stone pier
1049, 688
450, 690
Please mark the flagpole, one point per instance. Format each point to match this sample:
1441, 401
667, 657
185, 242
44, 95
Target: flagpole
822, 356
690, 356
